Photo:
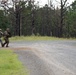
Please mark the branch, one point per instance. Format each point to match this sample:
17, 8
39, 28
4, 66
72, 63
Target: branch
64, 3
57, 1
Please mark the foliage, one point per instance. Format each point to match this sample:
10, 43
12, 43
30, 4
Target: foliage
4, 23
29, 19
71, 21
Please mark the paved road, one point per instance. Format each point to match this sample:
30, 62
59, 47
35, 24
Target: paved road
47, 57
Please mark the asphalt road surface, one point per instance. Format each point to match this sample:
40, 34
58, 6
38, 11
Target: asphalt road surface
56, 57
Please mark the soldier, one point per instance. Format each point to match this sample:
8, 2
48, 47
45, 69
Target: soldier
1, 34
7, 34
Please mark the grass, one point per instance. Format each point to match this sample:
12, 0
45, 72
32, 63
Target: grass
9, 63
34, 38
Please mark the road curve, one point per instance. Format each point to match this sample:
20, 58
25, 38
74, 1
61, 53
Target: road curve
47, 57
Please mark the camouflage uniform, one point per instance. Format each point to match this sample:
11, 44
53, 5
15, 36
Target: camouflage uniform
1, 33
6, 37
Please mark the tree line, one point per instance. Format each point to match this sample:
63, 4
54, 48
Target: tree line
27, 18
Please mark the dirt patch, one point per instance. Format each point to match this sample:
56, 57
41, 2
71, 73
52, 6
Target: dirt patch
23, 48
19, 48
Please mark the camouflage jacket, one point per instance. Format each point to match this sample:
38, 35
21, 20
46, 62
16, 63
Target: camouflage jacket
7, 34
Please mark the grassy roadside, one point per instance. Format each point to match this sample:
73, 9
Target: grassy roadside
9, 64
35, 38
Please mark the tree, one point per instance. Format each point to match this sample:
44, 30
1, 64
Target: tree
62, 15
70, 20
4, 22
16, 7
24, 17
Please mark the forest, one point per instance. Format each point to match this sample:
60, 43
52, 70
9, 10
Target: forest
26, 18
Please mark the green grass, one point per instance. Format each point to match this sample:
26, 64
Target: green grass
34, 38
9, 63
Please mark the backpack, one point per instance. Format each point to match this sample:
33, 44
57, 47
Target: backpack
7, 34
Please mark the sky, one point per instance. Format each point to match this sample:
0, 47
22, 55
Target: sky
55, 2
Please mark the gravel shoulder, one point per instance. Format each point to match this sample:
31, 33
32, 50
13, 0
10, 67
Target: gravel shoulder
47, 57
34, 64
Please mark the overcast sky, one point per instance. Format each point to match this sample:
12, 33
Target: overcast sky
43, 2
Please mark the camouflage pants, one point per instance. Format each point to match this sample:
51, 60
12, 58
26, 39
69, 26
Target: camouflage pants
6, 42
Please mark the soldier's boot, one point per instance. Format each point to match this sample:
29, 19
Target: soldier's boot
3, 44
7, 44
